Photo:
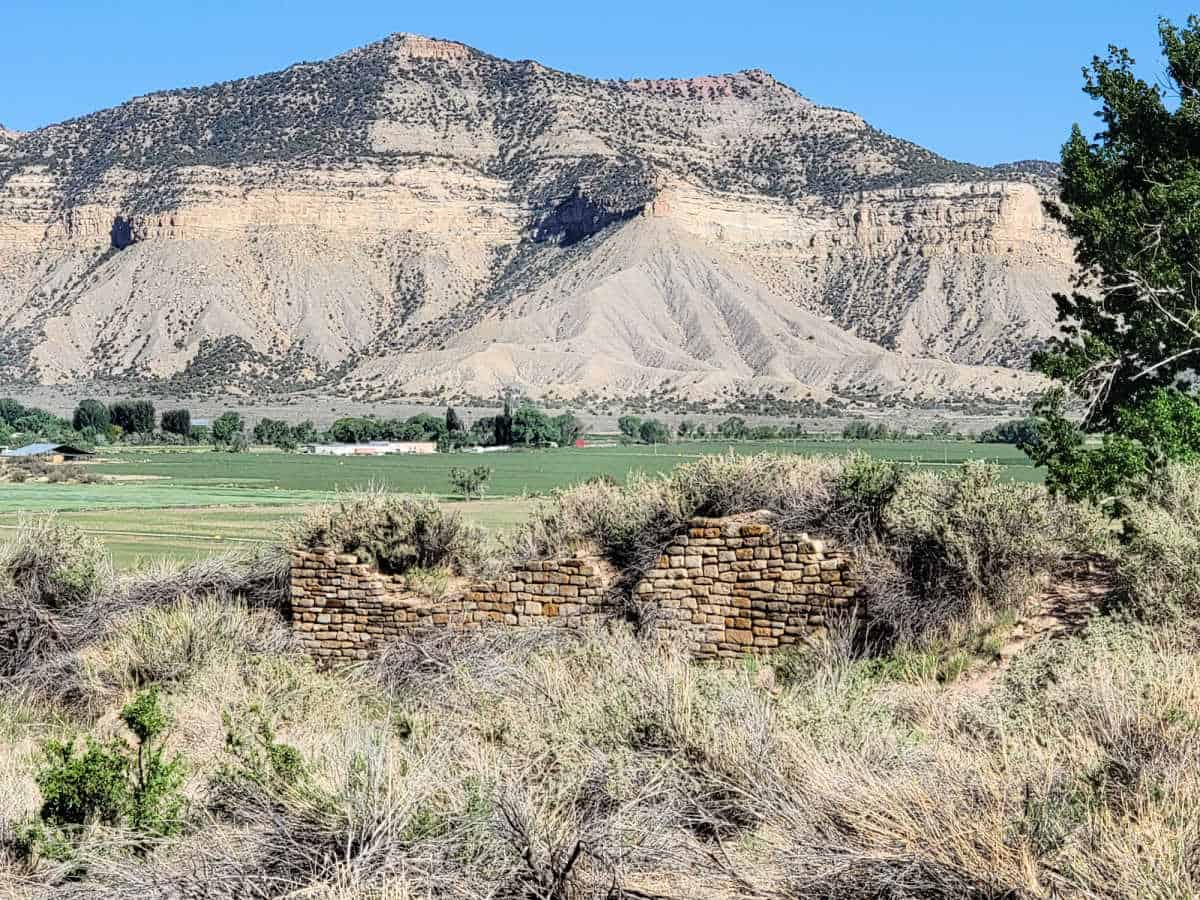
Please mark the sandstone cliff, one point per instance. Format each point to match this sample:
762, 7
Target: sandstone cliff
418, 216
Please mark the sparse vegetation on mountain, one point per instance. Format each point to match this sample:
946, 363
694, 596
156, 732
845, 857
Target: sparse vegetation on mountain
400, 307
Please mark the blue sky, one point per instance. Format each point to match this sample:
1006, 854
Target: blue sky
980, 82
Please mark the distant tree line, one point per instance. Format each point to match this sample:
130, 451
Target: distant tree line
1024, 433
524, 426
861, 429
26, 424
643, 431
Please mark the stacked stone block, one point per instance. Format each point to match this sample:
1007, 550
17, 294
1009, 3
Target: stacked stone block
345, 609
723, 588
728, 587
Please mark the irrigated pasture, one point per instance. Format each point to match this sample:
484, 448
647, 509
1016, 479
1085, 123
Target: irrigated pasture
184, 503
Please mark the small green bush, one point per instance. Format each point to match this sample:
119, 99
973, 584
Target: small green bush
256, 757
863, 490
111, 783
81, 788
1159, 565
397, 533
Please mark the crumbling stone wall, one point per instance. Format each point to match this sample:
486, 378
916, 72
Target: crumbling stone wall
731, 586
345, 608
724, 588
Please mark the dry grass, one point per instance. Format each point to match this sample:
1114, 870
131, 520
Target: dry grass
503, 765
60, 597
555, 769
537, 764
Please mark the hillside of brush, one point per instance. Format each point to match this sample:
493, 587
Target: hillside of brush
899, 759
419, 217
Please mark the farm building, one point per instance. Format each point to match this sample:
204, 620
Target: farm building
372, 448
54, 453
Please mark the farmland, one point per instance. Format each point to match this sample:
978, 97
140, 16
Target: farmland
184, 503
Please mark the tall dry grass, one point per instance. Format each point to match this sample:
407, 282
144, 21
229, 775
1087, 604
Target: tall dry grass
500, 765
537, 765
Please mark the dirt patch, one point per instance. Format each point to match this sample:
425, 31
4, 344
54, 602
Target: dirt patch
1069, 600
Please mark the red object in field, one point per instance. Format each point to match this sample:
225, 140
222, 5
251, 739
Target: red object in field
580, 442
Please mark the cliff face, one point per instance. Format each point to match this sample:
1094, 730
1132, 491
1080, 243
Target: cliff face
419, 216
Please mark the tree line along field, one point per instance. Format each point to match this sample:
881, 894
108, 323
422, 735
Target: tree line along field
185, 502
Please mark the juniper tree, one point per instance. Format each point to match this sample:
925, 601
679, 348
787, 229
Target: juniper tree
1130, 344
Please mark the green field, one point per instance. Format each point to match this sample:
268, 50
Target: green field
184, 503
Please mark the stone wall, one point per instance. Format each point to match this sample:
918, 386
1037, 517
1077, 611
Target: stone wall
724, 588
346, 609
731, 586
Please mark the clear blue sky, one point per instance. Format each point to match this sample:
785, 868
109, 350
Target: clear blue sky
981, 82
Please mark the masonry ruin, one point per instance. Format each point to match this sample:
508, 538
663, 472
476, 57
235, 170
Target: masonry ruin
722, 588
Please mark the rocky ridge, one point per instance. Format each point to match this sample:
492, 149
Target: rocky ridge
419, 217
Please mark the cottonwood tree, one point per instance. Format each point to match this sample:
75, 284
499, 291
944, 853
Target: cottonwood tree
227, 431
532, 427
630, 427
470, 483
653, 431
1130, 198
568, 428
177, 421
91, 414
133, 416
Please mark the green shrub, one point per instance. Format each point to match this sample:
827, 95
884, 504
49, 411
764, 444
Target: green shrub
155, 801
627, 523
111, 783
395, 533
256, 757
81, 788
863, 490
961, 548
630, 523
1159, 565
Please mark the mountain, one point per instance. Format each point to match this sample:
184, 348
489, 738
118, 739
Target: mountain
419, 217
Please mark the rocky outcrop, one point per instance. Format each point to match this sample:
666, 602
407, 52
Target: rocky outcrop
579, 217
420, 216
